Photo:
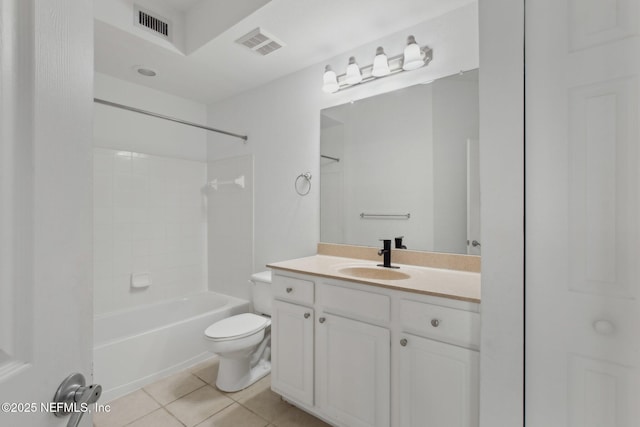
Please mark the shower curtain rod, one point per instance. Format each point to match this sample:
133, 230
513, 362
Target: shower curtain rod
173, 119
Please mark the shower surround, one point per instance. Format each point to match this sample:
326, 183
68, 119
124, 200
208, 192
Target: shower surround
149, 217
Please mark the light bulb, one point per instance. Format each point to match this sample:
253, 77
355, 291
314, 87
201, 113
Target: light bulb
413, 56
330, 80
380, 64
354, 76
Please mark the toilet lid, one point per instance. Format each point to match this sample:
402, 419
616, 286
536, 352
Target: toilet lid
238, 326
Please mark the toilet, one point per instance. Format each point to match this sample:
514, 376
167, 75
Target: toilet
243, 341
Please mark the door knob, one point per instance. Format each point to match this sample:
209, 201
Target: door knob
306, 315
74, 396
604, 327
321, 320
475, 244
289, 290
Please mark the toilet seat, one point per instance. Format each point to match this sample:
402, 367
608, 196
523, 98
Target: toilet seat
236, 327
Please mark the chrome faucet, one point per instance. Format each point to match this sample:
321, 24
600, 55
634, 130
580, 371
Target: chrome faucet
386, 253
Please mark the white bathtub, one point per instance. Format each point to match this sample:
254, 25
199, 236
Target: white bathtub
135, 347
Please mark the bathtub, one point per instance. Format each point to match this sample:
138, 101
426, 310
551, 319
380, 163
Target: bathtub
138, 346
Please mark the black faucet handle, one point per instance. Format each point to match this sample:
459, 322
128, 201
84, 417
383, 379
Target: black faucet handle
399, 244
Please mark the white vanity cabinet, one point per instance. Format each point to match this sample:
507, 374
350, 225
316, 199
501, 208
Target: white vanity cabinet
438, 371
292, 351
353, 355
292, 346
359, 355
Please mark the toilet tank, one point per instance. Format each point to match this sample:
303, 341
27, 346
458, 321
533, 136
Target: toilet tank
261, 292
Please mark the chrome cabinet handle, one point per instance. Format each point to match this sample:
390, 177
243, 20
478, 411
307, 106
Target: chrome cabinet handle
435, 323
289, 290
321, 320
475, 243
74, 393
306, 315
404, 342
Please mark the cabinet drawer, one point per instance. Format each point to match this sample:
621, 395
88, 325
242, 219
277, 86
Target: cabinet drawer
290, 289
355, 303
446, 324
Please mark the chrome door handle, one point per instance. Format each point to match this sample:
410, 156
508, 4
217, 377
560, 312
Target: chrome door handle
72, 397
475, 243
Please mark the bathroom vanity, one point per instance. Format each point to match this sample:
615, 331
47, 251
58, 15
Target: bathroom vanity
358, 345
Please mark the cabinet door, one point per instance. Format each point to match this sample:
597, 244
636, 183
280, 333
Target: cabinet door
353, 371
438, 384
292, 351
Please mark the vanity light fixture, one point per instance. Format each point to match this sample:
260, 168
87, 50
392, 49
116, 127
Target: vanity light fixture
380, 64
354, 76
412, 58
330, 80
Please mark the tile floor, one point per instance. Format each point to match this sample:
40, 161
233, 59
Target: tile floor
190, 398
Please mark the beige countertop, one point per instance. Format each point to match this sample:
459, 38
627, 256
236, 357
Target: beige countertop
454, 284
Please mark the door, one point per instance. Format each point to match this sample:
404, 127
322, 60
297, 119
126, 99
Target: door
46, 65
353, 371
582, 213
292, 351
473, 197
438, 384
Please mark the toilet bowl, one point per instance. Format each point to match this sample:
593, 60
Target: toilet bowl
242, 342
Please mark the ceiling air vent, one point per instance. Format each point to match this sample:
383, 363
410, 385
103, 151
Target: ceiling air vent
152, 22
260, 42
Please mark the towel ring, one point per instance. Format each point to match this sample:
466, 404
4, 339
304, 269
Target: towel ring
307, 179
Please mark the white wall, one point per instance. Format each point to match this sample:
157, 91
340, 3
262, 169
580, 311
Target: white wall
125, 130
230, 225
282, 120
149, 207
502, 212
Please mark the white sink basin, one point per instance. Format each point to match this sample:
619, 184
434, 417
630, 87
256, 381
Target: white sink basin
380, 273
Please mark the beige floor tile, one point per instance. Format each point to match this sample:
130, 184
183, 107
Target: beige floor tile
295, 417
174, 387
126, 409
252, 390
199, 405
234, 416
264, 402
159, 418
207, 370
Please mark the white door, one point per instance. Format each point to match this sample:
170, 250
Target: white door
46, 310
438, 384
582, 213
473, 197
353, 371
292, 351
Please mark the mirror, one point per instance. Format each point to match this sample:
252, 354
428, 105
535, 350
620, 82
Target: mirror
404, 163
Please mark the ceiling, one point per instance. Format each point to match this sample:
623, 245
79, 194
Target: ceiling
312, 31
